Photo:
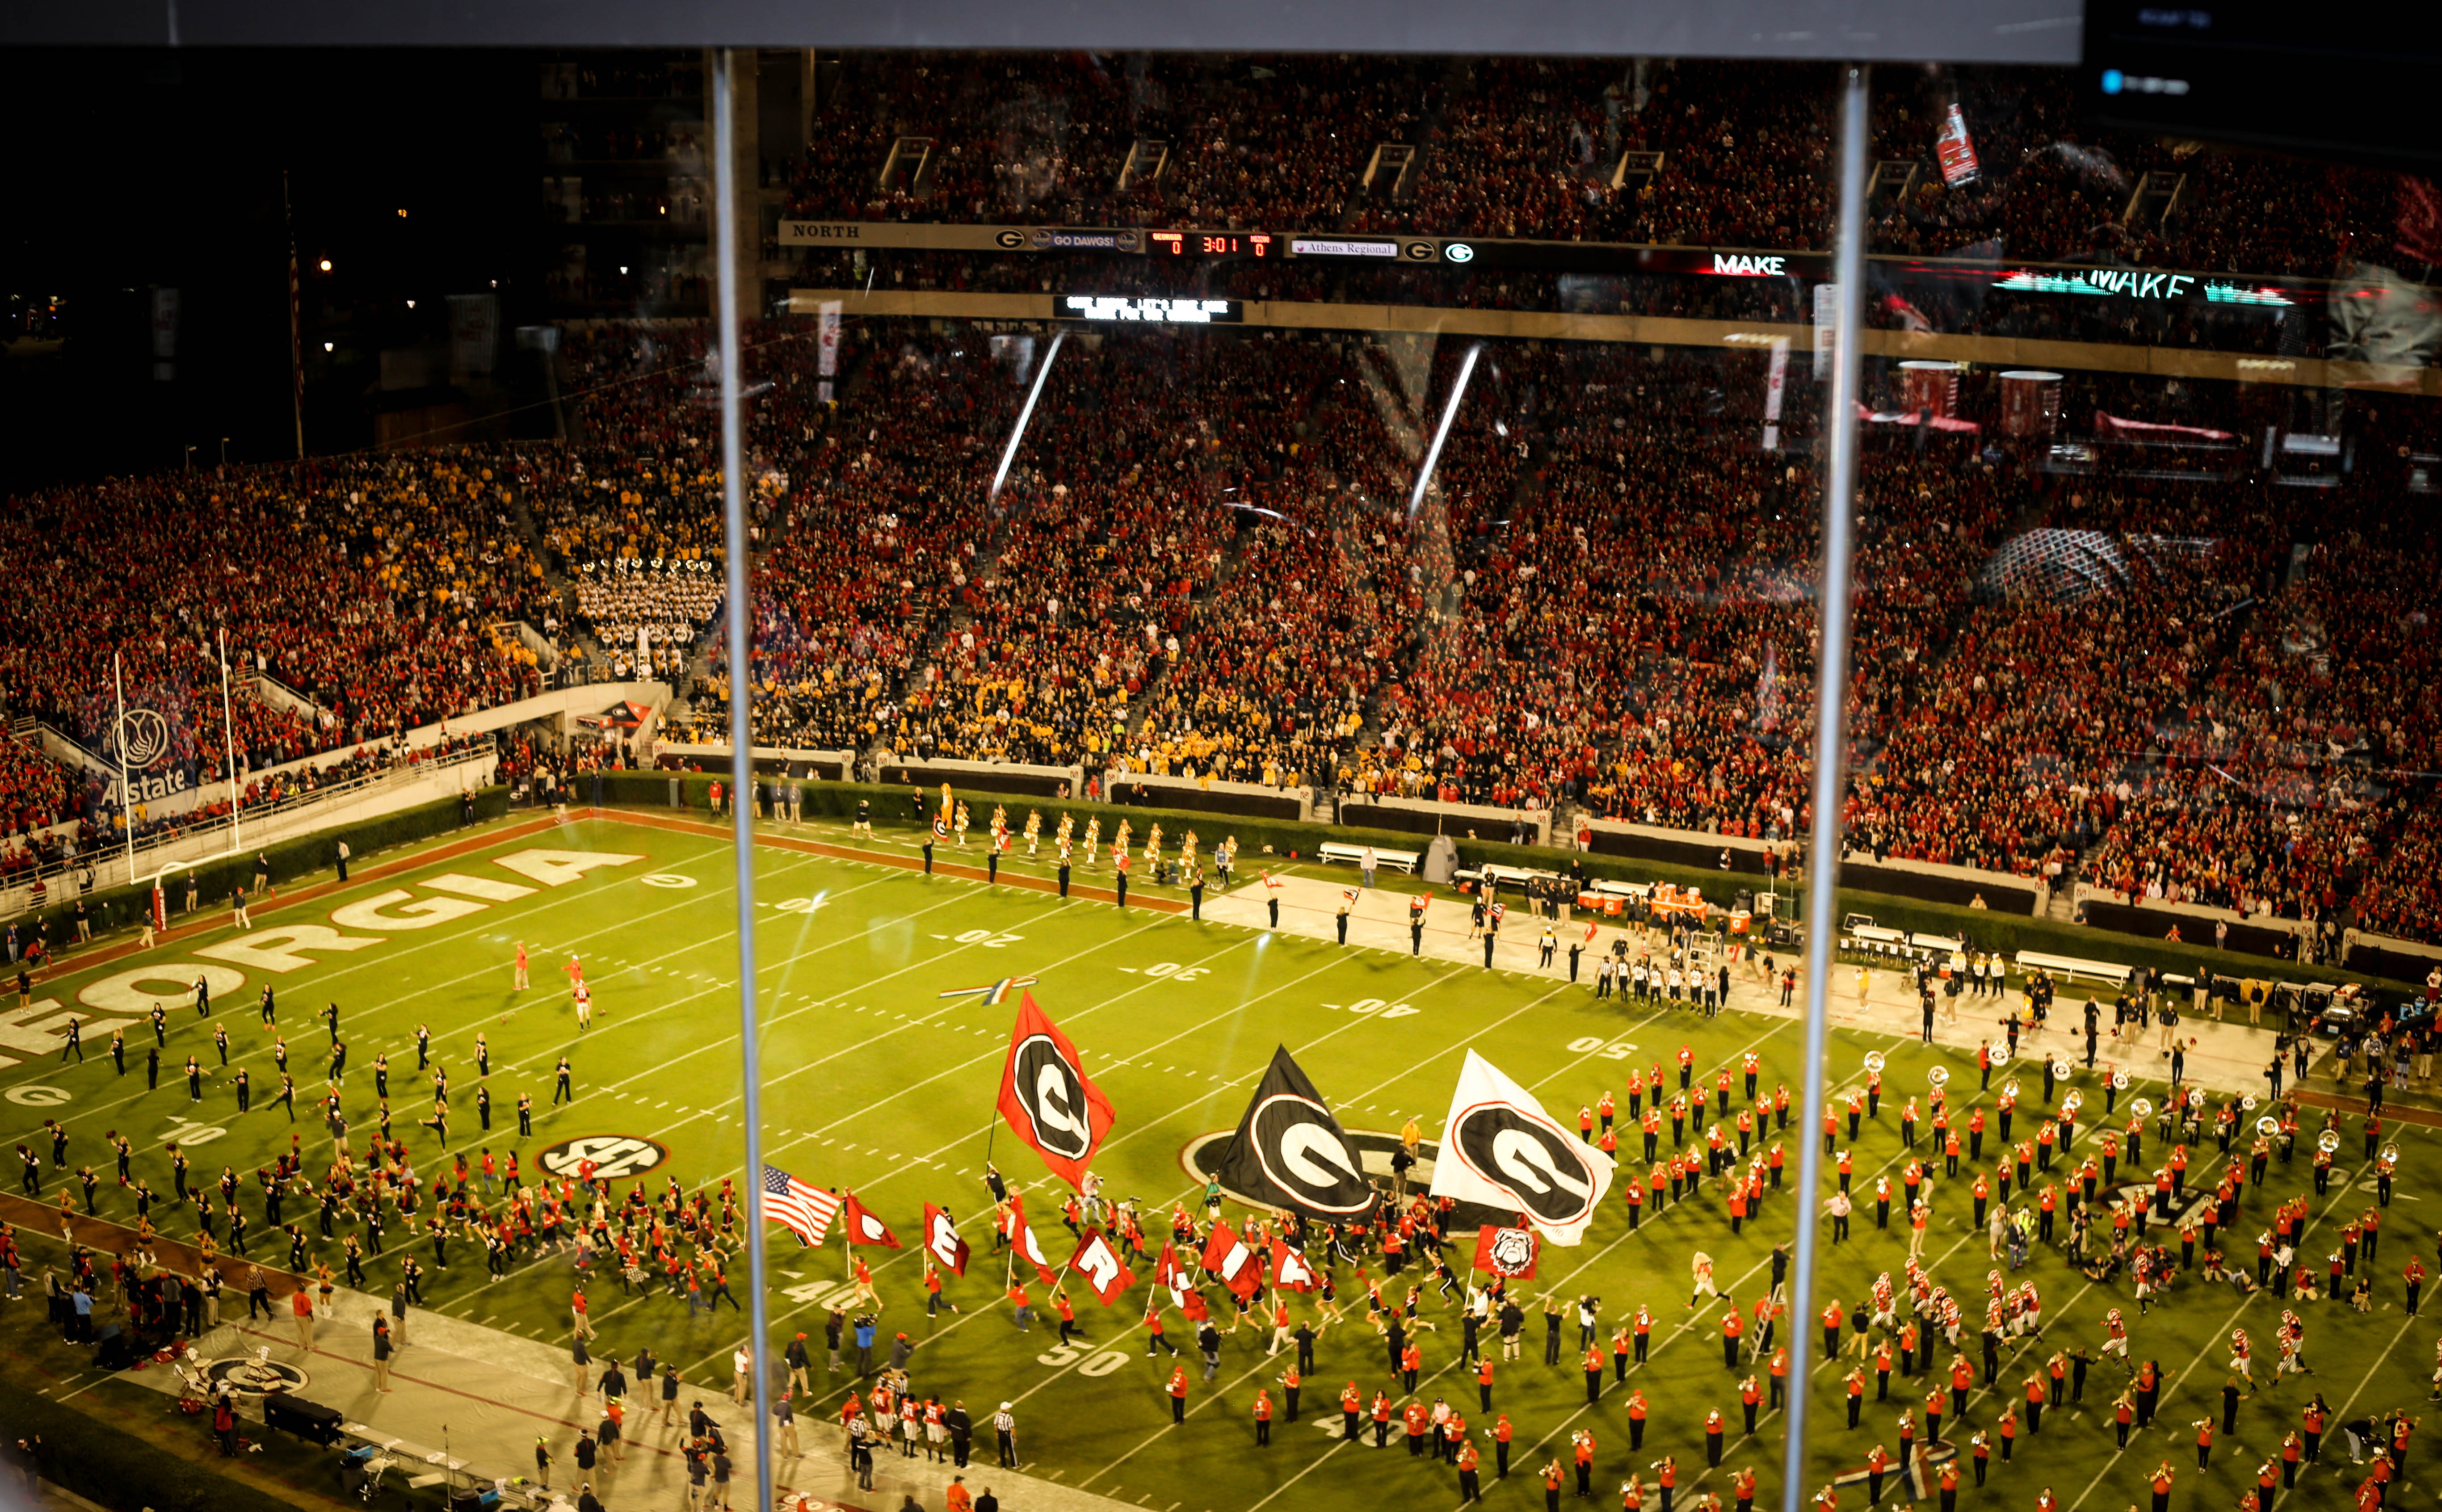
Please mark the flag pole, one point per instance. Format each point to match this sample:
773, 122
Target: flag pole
126, 791
228, 728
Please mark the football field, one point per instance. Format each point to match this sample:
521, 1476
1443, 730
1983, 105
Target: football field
883, 1045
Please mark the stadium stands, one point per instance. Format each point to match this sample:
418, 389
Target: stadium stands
1203, 562
1564, 151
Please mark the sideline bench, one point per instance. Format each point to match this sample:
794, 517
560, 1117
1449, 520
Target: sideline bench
2071, 968
1400, 861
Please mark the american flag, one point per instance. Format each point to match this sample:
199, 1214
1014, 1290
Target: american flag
806, 1210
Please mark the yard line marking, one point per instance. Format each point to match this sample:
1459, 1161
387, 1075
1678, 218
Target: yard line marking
475, 1022
2220, 1333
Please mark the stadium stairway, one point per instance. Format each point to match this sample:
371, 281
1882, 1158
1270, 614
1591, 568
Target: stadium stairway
488, 1393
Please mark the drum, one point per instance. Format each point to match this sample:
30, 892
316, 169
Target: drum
1930, 388
2030, 403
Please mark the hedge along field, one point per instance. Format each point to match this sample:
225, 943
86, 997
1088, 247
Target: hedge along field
1992, 930
302, 856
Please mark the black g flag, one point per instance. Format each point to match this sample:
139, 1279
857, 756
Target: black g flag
1290, 1153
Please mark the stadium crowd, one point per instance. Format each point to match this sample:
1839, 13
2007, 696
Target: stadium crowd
1536, 148
1202, 562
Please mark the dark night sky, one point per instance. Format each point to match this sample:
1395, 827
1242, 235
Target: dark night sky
134, 169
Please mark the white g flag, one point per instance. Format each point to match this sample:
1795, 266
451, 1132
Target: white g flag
1501, 1149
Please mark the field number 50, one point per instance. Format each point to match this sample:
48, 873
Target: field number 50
1608, 1049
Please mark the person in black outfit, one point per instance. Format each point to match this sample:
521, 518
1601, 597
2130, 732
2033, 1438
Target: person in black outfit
1064, 876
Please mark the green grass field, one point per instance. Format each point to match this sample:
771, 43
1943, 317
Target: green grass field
876, 1082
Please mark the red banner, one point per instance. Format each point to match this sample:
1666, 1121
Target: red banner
1291, 1269
942, 1241
863, 1227
1227, 1256
1097, 1264
1509, 1254
1021, 1237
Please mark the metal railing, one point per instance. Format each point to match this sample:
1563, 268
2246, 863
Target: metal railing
111, 858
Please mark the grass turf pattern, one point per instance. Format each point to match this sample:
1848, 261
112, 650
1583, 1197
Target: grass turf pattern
875, 1082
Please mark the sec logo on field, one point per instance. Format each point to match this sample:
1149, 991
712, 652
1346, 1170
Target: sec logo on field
615, 1156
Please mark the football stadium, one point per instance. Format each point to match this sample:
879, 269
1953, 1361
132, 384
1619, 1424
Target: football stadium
1264, 775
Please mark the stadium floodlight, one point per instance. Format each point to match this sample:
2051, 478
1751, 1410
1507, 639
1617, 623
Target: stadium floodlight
1017, 432
1449, 413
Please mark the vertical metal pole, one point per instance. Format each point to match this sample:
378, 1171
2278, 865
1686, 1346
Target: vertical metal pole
126, 788
295, 329
1831, 751
228, 727
741, 729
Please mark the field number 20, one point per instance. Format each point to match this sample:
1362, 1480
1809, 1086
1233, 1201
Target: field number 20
988, 938
1608, 1049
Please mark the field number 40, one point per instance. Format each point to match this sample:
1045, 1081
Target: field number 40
1374, 1006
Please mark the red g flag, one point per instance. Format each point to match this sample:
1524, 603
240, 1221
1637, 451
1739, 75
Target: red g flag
1047, 1099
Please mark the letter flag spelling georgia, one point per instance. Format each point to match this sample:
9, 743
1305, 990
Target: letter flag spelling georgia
1099, 1267
863, 1227
1047, 1099
941, 1239
1021, 1238
1227, 1256
1500, 1148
